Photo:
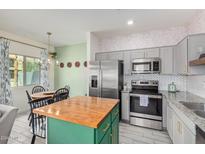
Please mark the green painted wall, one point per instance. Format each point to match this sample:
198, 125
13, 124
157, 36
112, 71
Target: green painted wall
75, 77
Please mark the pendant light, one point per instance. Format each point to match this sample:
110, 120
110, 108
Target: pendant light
49, 43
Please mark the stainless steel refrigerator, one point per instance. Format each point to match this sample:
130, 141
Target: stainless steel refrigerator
106, 79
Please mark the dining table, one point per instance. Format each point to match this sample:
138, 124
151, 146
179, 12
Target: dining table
44, 94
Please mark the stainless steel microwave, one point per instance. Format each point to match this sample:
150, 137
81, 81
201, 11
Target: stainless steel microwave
146, 66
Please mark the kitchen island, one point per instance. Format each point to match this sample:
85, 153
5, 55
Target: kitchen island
82, 120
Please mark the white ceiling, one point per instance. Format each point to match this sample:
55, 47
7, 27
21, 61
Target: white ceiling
70, 26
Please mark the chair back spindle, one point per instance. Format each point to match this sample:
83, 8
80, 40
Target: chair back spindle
38, 89
38, 121
61, 94
28, 96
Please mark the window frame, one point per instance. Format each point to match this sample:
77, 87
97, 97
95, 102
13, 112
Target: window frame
24, 69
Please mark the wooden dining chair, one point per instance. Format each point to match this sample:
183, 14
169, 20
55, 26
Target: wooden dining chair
38, 89
67, 87
60, 94
29, 99
38, 121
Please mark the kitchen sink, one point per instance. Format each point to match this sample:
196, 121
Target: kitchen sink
200, 113
198, 108
194, 106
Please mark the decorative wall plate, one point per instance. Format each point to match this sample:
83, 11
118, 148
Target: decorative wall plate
77, 64
85, 63
61, 65
69, 64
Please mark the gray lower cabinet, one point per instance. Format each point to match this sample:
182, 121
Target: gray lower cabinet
189, 137
178, 130
125, 106
164, 112
182, 134
170, 121
166, 55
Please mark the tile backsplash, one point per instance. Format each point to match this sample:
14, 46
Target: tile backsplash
196, 85
164, 80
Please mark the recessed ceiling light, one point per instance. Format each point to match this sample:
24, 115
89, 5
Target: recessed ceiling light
130, 22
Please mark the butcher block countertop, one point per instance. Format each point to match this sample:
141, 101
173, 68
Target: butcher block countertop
83, 110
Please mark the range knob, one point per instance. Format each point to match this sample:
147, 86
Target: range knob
155, 82
134, 82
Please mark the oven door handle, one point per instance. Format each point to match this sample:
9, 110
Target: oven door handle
149, 96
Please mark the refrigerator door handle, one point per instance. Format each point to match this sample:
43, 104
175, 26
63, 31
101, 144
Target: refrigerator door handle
100, 82
90, 81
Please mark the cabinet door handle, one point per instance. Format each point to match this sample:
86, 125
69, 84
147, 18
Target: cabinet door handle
178, 127
111, 138
106, 128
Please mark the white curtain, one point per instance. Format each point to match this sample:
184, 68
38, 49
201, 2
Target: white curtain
44, 69
5, 88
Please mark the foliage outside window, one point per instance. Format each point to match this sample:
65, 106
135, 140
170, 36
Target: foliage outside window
32, 71
16, 70
23, 70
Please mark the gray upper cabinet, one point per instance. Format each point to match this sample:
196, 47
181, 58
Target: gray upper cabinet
181, 57
115, 56
101, 56
127, 63
187, 50
196, 46
166, 55
109, 56
152, 53
137, 54
145, 53
174, 60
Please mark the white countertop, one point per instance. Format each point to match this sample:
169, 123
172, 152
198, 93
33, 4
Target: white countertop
175, 98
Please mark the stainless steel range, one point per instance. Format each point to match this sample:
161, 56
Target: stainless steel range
146, 104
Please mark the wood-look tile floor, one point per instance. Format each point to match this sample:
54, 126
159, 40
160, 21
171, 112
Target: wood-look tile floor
130, 134
21, 134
